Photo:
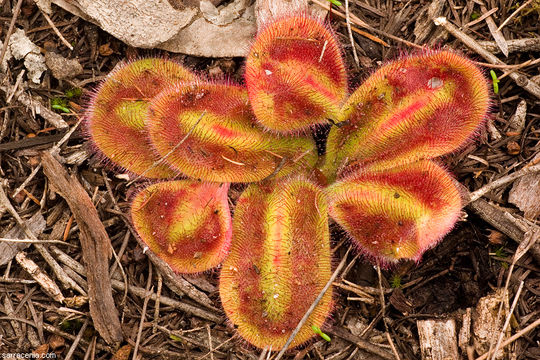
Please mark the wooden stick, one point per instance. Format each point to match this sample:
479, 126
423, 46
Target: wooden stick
182, 306
56, 31
502, 181
496, 34
359, 342
351, 38
514, 14
514, 45
96, 248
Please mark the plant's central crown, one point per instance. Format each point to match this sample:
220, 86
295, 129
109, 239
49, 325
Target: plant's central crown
156, 119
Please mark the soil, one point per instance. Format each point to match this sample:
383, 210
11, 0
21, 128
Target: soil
470, 263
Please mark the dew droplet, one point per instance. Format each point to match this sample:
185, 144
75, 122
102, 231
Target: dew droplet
434, 83
268, 72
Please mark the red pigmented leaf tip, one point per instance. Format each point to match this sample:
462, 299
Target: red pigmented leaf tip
295, 74
116, 116
186, 223
398, 213
417, 107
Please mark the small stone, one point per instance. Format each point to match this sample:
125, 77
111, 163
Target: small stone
61, 67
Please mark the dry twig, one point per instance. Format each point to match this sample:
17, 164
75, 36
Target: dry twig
514, 337
383, 311
348, 22
56, 31
520, 79
503, 181
16, 12
525, 4
497, 35
529, 240
149, 289
313, 306
95, 246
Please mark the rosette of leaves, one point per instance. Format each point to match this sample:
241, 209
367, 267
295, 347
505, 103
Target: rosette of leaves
379, 178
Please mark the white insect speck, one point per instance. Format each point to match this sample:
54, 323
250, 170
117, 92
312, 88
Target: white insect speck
166, 204
276, 296
145, 249
434, 83
375, 242
268, 72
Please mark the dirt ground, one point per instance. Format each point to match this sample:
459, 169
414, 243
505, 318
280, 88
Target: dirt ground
186, 321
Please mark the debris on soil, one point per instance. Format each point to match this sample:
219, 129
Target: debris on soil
22, 47
525, 194
225, 14
486, 321
7, 57
62, 68
438, 339
8, 250
167, 316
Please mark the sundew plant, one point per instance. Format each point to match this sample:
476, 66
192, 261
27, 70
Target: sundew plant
379, 179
